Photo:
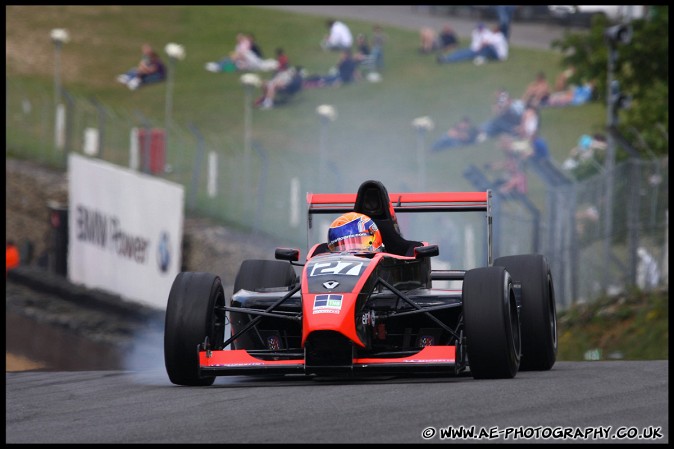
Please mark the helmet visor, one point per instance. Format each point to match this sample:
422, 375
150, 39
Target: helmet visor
361, 242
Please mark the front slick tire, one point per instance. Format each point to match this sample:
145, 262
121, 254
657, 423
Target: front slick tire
194, 312
491, 322
539, 316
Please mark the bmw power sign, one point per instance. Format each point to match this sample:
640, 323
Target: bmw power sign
125, 230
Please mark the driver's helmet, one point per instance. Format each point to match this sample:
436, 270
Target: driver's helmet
354, 232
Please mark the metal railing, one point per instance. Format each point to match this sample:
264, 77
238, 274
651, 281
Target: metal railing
569, 230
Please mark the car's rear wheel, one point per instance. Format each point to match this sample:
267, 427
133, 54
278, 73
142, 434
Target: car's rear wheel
193, 313
538, 311
256, 274
491, 322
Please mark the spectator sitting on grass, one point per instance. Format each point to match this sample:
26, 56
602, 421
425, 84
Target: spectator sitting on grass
585, 151
506, 117
537, 92
441, 42
244, 57
574, 95
461, 134
339, 36
344, 73
151, 69
485, 45
362, 47
288, 81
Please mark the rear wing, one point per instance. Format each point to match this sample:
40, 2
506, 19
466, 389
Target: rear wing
338, 203
330, 203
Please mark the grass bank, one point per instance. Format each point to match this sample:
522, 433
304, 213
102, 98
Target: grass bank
374, 119
632, 326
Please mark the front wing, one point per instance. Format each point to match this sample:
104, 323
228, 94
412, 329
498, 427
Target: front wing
241, 362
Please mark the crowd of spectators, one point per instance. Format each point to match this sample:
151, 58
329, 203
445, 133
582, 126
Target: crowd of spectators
359, 58
514, 122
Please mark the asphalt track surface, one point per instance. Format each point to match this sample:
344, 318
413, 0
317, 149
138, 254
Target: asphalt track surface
144, 407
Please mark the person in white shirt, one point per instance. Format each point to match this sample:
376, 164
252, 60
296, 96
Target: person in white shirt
479, 35
339, 37
494, 47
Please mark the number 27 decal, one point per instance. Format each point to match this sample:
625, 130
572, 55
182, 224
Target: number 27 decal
343, 268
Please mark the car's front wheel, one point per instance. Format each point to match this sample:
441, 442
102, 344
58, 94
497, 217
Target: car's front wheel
194, 312
491, 323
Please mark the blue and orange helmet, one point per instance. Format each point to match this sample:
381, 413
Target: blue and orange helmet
354, 232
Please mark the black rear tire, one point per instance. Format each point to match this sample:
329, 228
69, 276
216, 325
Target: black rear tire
193, 313
256, 274
491, 322
538, 312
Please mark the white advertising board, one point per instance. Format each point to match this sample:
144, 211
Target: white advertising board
124, 230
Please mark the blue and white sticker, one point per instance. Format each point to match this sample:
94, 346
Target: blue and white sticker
327, 304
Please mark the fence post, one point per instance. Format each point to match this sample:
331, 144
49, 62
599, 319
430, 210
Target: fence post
70, 119
102, 114
261, 186
633, 219
196, 168
665, 251
573, 257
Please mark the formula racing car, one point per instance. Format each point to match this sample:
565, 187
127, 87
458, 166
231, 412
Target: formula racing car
347, 312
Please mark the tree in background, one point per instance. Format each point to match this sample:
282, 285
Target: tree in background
642, 70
